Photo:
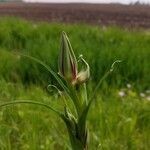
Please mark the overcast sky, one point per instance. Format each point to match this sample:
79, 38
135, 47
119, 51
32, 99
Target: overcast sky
91, 1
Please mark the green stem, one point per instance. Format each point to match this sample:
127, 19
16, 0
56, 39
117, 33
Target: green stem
85, 94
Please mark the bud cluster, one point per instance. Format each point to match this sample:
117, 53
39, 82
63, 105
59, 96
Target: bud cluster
68, 64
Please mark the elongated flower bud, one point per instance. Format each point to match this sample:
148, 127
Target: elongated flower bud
67, 64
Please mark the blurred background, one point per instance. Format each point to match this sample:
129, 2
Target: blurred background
111, 12
103, 31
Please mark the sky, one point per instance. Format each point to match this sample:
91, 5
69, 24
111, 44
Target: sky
90, 1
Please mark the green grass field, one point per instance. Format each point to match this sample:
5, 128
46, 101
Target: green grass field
116, 121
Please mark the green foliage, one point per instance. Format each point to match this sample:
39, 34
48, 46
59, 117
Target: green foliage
100, 46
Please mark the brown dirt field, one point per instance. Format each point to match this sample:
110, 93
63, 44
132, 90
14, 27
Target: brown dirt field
133, 16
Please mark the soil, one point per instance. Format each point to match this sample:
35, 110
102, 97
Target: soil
133, 16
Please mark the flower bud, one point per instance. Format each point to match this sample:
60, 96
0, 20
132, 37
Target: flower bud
83, 75
67, 64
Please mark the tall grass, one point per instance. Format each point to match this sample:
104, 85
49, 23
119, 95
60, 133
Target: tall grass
100, 46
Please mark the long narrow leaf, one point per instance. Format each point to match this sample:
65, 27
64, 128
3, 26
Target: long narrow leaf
48, 68
75, 99
30, 102
104, 77
84, 114
82, 119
